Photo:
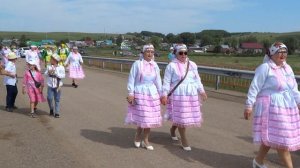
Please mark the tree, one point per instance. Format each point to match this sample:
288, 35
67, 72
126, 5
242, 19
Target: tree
156, 41
187, 38
23, 41
119, 40
266, 43
206, 40
291, 43
170, 38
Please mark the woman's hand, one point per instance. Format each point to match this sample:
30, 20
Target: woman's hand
203, 96
247, 114
130, 99
164, 100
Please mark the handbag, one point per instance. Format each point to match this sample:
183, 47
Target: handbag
174, 88
36, 83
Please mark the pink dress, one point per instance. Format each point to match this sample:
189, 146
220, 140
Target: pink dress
34, 93
274, 96
183, 108
75, 69
144, 83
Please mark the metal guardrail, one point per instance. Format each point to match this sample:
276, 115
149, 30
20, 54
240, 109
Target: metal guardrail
215, 71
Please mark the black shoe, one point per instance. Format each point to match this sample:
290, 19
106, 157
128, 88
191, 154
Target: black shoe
9, 110
73, 84
15, 107
51, 112
56, 115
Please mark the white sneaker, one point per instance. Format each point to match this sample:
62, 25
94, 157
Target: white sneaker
137, 144
175, 138
186, 148
148, 147
256, 165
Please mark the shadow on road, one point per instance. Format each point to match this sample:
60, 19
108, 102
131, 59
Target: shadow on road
123, 137
25, 111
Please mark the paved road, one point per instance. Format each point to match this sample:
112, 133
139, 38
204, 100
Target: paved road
91, 133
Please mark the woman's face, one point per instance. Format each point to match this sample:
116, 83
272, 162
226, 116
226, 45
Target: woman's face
181, 55
148, 55
31, 67
280, 56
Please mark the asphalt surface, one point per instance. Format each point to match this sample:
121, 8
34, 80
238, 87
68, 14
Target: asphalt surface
91, 131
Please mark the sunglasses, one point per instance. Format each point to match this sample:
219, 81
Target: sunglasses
282, 52
181, 53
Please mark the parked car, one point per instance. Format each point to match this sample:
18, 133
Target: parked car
126, 53
23, 51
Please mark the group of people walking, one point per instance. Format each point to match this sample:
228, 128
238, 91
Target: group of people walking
273, 94
33, 80
179, 91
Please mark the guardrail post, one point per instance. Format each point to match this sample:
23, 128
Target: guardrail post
103, 64
121, 67
217, 82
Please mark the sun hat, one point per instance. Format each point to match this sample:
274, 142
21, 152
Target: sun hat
11, 56
56, 57
32, 62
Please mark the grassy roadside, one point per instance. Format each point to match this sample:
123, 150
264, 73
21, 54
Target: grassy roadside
214, 60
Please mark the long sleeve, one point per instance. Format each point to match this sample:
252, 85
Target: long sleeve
158, 83
131, 78
80, 58
167, 80
200, 87
257, 83
294, 89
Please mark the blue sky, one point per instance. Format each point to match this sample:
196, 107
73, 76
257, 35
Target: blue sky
164, 16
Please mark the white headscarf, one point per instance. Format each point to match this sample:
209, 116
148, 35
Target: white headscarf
148, 47
180, 47
273, 49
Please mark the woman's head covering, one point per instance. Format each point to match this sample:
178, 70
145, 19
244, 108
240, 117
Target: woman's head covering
32, 62
180, 47
56, 57
275, 47
11, 56
148, 47
273, 50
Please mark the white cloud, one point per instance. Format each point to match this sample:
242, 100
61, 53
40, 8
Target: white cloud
114, 16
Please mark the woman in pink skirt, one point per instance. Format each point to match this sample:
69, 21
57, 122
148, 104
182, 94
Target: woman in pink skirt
144, 87
31, 76
275, 97
183, 107
75, 62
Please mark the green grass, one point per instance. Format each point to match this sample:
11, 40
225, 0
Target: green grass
38, 36
215, 60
